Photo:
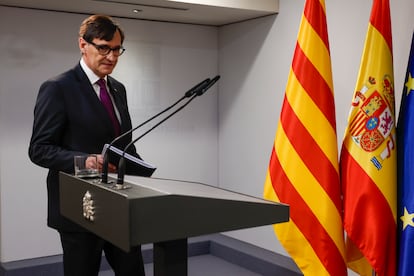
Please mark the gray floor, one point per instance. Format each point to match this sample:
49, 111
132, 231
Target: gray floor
204, 265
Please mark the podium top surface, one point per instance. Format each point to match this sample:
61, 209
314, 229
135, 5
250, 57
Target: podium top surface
161, 186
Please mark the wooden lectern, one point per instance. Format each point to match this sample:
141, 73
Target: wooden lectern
164, 212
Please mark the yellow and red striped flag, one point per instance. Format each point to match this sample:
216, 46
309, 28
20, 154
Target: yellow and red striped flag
303, 169
369, 157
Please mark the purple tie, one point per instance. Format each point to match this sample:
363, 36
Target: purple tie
106, 101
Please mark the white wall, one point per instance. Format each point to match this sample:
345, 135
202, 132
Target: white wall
254, 60
162, 61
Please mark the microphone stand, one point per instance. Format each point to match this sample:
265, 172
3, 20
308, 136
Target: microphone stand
189, 93
122, 164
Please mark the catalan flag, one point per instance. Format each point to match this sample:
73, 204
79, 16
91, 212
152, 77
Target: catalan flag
303, 169
405, 138
369, 155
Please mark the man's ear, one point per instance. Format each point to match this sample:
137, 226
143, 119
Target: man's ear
82, 45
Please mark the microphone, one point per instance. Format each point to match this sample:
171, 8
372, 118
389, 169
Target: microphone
121, 166
195, 89
207, 87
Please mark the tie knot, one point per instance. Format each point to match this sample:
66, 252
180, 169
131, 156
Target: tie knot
101, 83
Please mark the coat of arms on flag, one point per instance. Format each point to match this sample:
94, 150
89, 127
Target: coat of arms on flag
373, 121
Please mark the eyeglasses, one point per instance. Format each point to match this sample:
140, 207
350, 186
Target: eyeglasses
104, 50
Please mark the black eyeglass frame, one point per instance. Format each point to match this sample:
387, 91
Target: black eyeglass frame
105, 50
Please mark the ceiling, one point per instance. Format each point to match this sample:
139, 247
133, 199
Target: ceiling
212, 12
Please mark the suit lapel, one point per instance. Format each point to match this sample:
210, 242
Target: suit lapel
119, 103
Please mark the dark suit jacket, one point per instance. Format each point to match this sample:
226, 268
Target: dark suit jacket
70, 120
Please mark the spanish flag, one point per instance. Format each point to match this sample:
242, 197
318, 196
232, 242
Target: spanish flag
303, 169
369, 155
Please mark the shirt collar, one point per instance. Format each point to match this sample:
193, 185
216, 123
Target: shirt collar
93, 78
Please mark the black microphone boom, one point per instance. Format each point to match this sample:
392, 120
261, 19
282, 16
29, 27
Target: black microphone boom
189, 93
202, 88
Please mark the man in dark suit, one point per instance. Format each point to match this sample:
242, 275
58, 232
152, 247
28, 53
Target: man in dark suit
69, 120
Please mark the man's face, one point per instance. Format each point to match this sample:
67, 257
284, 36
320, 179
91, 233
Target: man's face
101, 65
